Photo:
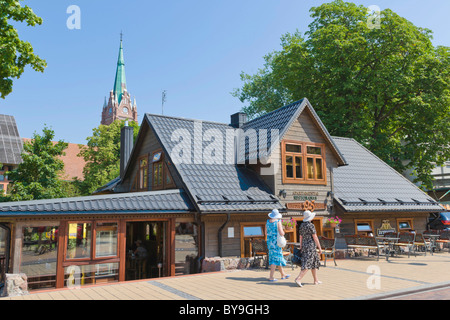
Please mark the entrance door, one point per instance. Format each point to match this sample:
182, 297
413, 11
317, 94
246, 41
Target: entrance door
146, 250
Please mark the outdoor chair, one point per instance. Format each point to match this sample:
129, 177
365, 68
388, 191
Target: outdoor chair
406, 242
328, 249
260, 252
444, 238
423, 243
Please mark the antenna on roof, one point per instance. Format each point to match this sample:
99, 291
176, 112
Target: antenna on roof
164, 94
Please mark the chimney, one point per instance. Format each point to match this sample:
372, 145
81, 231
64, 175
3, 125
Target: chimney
238, 119
126, 146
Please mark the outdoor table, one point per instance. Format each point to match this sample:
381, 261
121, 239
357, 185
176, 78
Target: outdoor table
433, 238
388, 243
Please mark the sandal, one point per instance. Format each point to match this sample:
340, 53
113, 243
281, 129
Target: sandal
286, 277
273, 280
299, 284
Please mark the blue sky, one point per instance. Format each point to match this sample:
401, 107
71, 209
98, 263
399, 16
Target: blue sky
195, 50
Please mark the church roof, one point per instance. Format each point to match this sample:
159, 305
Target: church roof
120, 83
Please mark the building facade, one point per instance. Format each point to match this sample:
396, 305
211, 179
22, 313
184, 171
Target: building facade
191, 189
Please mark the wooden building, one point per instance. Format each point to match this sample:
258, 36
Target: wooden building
190, 189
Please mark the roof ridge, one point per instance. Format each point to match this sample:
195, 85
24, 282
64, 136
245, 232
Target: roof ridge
185, 119
276, 110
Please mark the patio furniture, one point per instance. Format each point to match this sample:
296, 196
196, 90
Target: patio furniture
260, 252
421, 242
362, 242
328, 249
388, 241
406, 242
444, 238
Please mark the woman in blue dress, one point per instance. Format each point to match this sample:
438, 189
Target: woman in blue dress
276, 259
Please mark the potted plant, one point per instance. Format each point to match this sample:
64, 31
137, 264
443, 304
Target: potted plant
289, 225
333, 222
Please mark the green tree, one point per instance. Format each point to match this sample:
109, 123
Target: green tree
102, 156
387, 87
15, 54
38, 176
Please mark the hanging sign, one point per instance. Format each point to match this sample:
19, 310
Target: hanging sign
385, 228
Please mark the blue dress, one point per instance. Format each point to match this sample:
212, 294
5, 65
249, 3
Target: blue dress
275, 252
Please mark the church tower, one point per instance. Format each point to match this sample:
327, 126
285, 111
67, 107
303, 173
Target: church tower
119, 105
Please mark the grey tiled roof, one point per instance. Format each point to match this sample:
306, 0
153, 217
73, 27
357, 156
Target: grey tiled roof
10, 142
138, 202
213, 187
368, 184
281, 119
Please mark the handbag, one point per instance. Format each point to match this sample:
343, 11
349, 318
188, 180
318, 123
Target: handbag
296, 256
281, 241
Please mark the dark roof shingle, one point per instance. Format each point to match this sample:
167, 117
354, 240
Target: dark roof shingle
368, 184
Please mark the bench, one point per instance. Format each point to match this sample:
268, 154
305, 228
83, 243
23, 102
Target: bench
328, 248
362, 242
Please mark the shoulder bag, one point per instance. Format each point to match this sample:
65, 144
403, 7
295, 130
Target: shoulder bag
281, 240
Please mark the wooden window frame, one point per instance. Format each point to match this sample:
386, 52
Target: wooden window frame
400, 220
370, 222
304, 156
243, 237
92, 259
165, 172
139, 173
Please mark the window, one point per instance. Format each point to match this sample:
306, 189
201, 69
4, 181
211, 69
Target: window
303, 162
186, 247
106, 239
364, 227
405, 224
249, 232
92, 253
161, 178
39, 256
143, 173
79, 241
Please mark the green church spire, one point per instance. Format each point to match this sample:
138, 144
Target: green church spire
120, 84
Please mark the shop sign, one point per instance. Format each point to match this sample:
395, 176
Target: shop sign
385, 228
307, 205
305, 195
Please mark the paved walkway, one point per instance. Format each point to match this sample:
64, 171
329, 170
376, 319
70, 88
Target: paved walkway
358, 279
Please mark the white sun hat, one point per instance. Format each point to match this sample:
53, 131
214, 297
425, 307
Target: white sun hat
275, 214
308, 215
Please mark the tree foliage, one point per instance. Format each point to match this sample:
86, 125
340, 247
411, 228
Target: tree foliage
387, 87
102, 155
15, 54
38, 176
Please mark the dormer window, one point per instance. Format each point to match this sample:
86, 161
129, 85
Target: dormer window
303, 162
161, 178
